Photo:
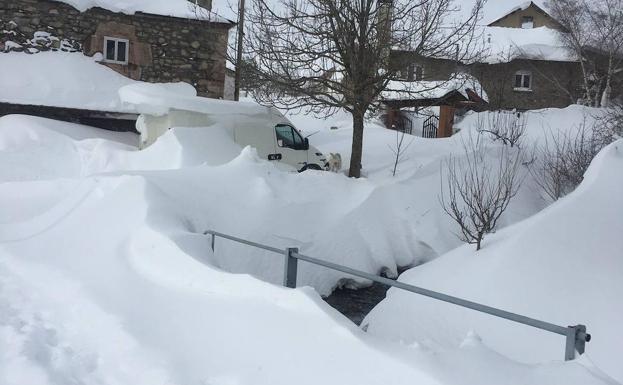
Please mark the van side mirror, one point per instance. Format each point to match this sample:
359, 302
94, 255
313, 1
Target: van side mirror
306, 144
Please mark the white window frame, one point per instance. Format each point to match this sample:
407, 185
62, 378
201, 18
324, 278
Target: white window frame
522, 74
117, 41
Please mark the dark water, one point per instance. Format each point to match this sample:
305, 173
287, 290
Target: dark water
356, 304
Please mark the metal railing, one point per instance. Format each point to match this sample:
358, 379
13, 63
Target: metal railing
576, 336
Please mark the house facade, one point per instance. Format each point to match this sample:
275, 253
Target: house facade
189, 46
523, 65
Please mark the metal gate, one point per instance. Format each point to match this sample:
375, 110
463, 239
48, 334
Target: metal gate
430, 127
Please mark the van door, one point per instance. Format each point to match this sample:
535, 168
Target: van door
258, 134
291, 146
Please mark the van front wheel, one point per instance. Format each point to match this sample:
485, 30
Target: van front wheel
311, 166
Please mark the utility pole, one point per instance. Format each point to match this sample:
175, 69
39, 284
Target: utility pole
241, 6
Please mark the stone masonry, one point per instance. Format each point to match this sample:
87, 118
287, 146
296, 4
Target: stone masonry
162, 49
554, 84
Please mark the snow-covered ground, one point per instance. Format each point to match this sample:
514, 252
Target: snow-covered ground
562, 265
105, 277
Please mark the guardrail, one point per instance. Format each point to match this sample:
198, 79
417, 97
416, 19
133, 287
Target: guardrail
576, 336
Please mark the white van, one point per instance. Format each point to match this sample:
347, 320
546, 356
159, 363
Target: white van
266, 129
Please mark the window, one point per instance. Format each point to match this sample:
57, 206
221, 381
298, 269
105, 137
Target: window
417, 72
527, 22
288, 136
412, 72
523, 81
116, 50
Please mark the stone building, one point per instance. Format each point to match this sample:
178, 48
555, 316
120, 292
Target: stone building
156, 42
523, 65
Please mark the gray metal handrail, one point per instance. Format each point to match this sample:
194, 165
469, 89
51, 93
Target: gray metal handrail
575, 336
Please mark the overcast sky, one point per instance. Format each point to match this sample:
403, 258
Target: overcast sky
222, 7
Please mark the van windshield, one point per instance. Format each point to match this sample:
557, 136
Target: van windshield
288, 136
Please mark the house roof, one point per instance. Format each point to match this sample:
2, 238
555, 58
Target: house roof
523, 7
502, 45
460, 87
173, 8
493, 10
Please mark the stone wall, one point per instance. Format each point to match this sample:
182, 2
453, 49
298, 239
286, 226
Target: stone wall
554, 84
432, 69
162, 49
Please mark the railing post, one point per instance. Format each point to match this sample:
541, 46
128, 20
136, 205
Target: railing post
290, 268
213, 239
576, 341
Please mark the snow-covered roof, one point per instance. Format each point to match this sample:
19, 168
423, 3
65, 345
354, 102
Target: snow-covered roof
175, 8
408, 90
490, 17
493, 10
505, 44
67, 80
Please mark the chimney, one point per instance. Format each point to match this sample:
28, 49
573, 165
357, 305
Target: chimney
384, 27
207, 4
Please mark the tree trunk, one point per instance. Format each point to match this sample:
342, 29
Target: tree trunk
605, 97
357, 147
587, 89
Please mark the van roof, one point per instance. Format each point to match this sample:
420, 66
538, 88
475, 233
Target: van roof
155, 99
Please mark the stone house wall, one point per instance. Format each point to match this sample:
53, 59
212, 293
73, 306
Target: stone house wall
432, 69
554, 84
162, 49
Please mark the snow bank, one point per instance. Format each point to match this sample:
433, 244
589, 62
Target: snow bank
69, 80
563, 265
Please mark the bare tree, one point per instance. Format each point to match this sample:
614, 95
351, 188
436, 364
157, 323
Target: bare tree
399, 149
563, 158
594, 33
505, 126
611, 122
330, 55
478, 192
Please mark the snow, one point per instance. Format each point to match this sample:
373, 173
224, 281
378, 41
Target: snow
405, 90
176, 8
502, 44
159, 100
505, 44
70, 80
562, 265
105, 277
495, 9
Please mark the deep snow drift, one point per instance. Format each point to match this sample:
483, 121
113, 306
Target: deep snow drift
71, 80
563, 265
106, 278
